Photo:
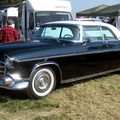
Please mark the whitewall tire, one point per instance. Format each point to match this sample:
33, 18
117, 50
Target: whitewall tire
43, 81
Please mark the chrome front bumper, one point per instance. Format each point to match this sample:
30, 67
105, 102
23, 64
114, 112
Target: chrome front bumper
11, 80
11, 83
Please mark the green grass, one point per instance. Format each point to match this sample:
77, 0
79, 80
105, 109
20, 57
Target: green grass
94, 99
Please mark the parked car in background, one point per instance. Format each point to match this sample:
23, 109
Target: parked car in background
61, 52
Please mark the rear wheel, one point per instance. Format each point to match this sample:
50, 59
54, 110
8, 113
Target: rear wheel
42, 82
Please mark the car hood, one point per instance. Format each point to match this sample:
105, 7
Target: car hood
33, 50
10, 47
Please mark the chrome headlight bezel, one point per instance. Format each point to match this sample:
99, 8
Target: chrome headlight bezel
8, 62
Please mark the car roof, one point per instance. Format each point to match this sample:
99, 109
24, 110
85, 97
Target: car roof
87, 23
76, 22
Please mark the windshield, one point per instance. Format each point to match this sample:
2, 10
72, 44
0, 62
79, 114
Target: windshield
58, 32
47, 16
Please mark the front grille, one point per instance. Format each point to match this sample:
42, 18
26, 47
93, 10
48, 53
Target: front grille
2, 69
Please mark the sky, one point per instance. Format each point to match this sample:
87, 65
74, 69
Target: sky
79, 5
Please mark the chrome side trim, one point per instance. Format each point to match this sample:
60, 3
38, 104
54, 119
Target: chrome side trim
70, 54
88, 76
48, 57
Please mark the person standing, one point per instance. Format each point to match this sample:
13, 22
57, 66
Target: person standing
8, 33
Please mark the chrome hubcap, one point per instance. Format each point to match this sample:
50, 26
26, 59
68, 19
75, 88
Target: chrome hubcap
42, 82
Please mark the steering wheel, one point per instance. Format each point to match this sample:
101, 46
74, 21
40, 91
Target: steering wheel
67, 36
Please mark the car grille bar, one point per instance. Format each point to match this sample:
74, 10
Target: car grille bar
2, 69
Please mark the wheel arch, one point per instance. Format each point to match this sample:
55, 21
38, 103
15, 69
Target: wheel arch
53, 65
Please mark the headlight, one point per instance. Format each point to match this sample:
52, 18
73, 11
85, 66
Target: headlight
8, 62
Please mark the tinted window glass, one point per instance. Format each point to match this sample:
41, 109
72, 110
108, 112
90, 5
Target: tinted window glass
108, 34
53, 32
66, 32
93, 33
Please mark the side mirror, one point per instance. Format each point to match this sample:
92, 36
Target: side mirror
87, 40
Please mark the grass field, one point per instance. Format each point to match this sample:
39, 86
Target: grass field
93, 99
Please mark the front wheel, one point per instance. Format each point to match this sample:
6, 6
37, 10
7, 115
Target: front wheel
42, 82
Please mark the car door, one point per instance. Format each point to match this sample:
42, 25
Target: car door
87, 59
95, 56
113, 49
98, 55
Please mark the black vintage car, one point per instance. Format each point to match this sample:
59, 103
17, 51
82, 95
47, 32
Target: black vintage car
61, 52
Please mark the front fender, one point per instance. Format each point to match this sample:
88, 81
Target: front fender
50, 64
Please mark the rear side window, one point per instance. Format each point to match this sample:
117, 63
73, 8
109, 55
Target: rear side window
108, 34
93, 33
98, 33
